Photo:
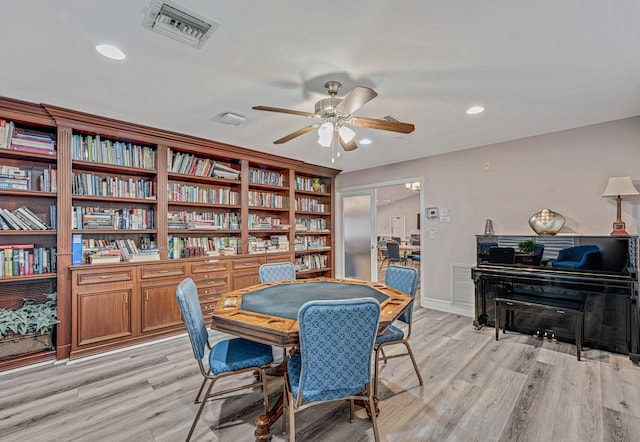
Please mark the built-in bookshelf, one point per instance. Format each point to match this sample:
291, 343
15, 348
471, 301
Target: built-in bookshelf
129, 211
28, 215
313, 239
114, 193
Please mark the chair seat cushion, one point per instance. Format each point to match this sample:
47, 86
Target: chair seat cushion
295, 365
392, 333
237, 354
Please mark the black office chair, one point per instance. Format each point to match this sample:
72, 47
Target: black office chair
396, 239
502, 255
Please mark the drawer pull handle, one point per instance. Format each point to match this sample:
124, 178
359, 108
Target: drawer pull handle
213, 260
560, 311
106, 276
163, 271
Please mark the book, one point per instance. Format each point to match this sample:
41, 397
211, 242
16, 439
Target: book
76, 249
104, 259
144, 257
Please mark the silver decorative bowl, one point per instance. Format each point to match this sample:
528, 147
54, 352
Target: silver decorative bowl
546, 222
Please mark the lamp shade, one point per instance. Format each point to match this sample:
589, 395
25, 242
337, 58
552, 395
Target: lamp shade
620, 185
325, 134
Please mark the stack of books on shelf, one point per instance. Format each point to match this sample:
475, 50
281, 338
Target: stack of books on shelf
311, 224
105, 256
151, 254
311, 243
279, 243
311, 262
115, 187
112, 219
26, 140
257, 245
21, 218
14, 178
99, 150
259, 176
257, 222
176, 220
26, 259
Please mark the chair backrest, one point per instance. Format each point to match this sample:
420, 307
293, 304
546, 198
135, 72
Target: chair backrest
394, 250
279, 271
405, 279
414, 241
336, 344
385, 251
396, 239
187, 295
502, 255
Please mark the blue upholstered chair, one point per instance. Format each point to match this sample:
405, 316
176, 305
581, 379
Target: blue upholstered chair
226, 358
404, 279
579, 257
334, 362
279, 271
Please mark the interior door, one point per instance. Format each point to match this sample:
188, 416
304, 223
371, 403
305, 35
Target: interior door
359, 221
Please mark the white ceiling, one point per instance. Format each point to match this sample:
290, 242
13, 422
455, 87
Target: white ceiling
537, 66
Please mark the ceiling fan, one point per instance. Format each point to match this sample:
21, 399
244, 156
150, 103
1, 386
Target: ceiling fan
336, 115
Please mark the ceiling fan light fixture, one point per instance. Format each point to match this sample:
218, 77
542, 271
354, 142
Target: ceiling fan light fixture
325, 134
346, 134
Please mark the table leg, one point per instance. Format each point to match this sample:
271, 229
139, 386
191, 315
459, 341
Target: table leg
264, 422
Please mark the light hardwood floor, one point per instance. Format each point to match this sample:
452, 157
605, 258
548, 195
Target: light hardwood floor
476, 389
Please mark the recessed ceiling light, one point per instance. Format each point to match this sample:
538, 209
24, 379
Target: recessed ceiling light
475, 110
365, 141
111, 52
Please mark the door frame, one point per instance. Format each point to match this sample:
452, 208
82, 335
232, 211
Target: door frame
373, 251
339, 252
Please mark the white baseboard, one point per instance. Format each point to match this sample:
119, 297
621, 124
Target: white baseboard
445, 306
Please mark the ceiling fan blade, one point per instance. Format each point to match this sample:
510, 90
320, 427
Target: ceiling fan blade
351, 145
393, 126
355, 99
284, 111
295, 134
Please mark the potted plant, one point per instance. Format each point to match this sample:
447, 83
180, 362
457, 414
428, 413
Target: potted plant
27, 329
527, 246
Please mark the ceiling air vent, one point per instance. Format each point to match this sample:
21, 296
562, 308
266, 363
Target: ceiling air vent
174, 21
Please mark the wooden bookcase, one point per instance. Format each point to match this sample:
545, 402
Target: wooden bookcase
200, 196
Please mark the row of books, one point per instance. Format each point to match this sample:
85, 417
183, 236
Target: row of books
310, 184
203, 220
310, 242
15, 178
259, 176
310, 205
275, 243
196, 194
26, 140
189, 164
186, 247
21, 218
311, 224
95, 185
99, 150
265, 199
90, 250
311, 262
113, 219
26, 259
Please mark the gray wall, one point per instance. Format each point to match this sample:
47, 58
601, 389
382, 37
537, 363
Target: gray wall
564, 171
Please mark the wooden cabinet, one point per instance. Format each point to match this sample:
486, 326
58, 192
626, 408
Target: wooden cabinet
214, 213
245, 271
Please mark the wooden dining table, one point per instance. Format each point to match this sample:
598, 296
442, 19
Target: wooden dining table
267, 313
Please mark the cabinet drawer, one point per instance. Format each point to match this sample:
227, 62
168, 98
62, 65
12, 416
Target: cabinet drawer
279, 258
207, 311
210, 266
163, 271
247, 263
104, 276
212, 288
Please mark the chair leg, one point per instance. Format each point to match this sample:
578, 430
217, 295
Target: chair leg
497, 320
376, 369
204, 402
265, 391
415, 365
374, 419
197, 400
351, 411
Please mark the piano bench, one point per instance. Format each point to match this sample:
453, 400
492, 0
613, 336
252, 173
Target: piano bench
573, 308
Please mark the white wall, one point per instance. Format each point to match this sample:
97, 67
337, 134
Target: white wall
564, 171
407, 207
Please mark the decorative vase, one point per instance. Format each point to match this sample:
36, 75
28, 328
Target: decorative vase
315, 184
546, 222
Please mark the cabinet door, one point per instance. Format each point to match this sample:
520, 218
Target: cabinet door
245, 272
160, 307
103, 316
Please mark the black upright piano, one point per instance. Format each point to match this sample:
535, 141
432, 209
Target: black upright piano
608, 288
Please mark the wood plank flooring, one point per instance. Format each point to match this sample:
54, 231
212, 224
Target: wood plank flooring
476, 389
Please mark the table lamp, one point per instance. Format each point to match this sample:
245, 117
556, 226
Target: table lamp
619, 186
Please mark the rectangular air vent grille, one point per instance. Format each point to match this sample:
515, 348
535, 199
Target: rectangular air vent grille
176, 22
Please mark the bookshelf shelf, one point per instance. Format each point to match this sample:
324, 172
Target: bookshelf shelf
26, 278
112, 168
203, 180
28, 193
28, 156
114, 199
115, 231
28, 232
